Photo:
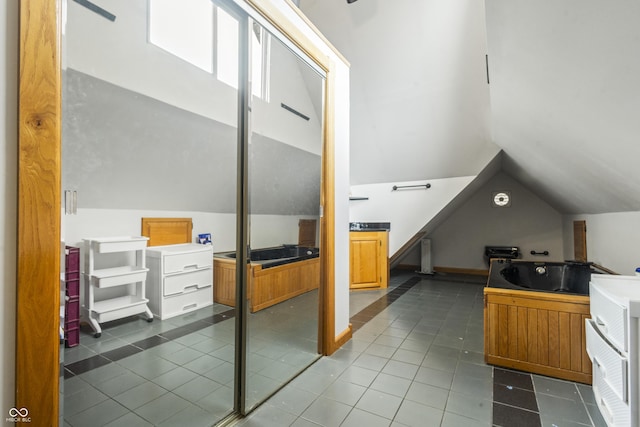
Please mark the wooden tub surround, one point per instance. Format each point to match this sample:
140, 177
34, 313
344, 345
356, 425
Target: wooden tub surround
268, 286
538, 332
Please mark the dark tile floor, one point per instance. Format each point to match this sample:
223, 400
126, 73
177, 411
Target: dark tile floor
416, 359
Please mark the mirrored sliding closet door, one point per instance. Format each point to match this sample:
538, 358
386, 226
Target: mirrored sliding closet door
150, 147
191, 173
284, 177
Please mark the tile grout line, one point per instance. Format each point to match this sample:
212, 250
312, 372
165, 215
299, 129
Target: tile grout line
85, 365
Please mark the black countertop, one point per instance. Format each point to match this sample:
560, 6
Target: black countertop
369, 226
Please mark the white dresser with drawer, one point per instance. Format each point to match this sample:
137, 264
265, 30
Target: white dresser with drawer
613, 345
180, 278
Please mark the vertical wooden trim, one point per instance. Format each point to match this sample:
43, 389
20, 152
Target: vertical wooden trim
328, 318
564, 322
38, 269
543, 337
580, 240
577, 344
523, 336
503, 330
532, 336
512, 329
554, 340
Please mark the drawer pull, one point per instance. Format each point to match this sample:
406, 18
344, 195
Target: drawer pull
191, 288
190, 267
601, 323
189, 306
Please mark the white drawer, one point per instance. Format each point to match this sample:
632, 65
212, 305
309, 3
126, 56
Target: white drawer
184, 303
614, 411
187, 282
187, 261
610, 317
611, 364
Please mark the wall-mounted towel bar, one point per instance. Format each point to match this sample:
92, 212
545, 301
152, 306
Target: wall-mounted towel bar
545, 253
398, 187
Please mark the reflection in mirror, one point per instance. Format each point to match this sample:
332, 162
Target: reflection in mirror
285, 150
149, 131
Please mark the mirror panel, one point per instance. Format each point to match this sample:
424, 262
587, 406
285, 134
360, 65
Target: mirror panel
284, 176
149, 131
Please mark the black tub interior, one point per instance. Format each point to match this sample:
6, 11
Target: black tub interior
271, 257
568, 277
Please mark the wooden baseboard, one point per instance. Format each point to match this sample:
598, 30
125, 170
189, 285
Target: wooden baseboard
342, 338
456, 270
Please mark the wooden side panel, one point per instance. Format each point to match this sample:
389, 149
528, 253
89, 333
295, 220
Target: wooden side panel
224, 281
580, 240
537, 334
307, 232
278, 284
167, 231
266, 287
39, 202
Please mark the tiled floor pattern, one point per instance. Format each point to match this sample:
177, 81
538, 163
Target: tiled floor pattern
415, 360
419, 362
179, 371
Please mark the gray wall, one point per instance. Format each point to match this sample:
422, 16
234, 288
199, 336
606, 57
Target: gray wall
530, 223
124, 150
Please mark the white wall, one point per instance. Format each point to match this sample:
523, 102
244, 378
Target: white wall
407, 210
565, 99
8, 196
530, 223
419, 93
94, 45
613, 240
274, 230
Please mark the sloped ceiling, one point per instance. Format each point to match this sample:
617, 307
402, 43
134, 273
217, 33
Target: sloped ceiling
564, 100
419, 96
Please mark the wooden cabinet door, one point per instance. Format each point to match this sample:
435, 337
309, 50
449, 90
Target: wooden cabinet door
368, 260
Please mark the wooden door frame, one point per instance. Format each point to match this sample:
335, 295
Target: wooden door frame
39, 203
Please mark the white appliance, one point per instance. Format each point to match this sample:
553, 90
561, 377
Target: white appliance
613, 345
425, 257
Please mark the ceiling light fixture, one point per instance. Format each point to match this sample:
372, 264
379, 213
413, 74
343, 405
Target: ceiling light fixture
350, 1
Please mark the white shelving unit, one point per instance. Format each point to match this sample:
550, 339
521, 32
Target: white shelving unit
130, 278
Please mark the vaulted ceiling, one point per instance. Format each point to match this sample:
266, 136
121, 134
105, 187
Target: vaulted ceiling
563, 101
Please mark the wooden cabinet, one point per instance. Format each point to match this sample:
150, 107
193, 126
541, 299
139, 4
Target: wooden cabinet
368, 259
538, 332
